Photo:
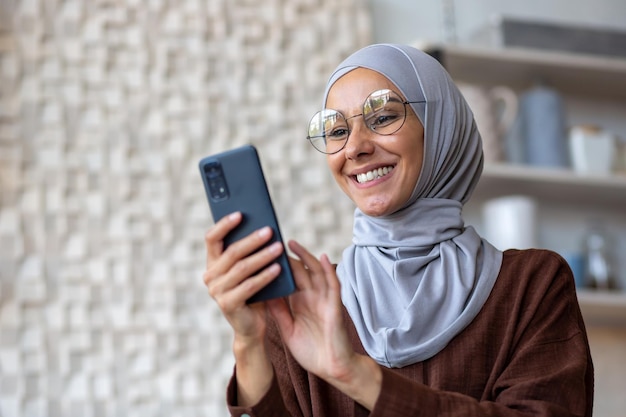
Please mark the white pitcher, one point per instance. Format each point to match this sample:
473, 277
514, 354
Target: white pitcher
495, 109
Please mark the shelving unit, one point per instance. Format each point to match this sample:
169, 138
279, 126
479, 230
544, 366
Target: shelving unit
563, 185
583, 76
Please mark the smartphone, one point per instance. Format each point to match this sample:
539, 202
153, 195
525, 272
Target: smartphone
234, 181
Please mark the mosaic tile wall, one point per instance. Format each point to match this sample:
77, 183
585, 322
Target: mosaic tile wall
105, 108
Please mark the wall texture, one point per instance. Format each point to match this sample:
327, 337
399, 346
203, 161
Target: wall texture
105, 108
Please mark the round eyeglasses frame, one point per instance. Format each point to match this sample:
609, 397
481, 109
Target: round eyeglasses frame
373, 117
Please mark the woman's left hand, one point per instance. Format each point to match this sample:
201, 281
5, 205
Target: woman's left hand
312, 326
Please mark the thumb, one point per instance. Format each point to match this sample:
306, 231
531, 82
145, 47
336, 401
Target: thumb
280, 311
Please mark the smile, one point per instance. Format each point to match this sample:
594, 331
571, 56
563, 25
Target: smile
373, 174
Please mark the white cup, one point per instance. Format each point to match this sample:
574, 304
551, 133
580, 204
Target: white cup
591, 150
510, 222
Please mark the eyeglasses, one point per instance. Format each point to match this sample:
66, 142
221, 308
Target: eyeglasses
384, 113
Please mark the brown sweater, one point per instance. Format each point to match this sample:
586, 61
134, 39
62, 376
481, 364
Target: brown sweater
525, 354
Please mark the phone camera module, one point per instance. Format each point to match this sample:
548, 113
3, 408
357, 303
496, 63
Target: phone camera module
216, 181
213, 169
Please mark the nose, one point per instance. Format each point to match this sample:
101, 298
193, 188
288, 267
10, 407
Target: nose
360, 140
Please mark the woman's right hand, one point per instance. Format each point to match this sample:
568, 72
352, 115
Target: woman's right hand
231, 275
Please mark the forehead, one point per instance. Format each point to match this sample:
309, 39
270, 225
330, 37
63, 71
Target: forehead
350, 91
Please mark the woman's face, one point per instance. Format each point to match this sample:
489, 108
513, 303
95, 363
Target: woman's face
398, 156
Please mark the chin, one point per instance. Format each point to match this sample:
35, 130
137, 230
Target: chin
376, 211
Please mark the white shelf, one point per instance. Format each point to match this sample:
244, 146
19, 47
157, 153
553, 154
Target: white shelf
556, 185
519, 68
603, 308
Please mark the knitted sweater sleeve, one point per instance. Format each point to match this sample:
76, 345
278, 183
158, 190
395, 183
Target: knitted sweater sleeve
288, 388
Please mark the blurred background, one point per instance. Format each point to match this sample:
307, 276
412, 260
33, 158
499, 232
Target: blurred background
106, 106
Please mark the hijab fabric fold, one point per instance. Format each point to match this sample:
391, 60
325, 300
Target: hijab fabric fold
413, 280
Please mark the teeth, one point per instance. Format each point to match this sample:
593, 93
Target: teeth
373, 174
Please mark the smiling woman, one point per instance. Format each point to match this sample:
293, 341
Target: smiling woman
422, 316
369, 148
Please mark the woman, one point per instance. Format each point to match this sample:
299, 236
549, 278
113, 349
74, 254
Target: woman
422, 317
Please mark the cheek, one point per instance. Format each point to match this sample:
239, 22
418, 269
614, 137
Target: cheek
334, 164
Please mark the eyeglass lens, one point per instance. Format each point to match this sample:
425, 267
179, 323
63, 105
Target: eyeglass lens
383, 112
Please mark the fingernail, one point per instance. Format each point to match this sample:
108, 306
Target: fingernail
274, 268
264, 232
275, 247
234, 216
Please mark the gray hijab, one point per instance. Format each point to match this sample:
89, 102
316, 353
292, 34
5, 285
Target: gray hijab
413, 280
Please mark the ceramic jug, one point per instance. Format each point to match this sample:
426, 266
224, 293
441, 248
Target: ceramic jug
495, 109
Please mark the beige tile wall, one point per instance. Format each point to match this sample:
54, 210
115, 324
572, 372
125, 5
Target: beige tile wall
105, 108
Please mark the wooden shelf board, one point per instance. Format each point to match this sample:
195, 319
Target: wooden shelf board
562, 185
520, 68
603, 307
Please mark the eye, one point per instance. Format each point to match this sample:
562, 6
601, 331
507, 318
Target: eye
339, 133
382, 119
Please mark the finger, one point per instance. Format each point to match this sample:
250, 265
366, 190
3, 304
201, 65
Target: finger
310, 266
237, 296
280, 311
239, 250
248, 245
251, 264
308, 259
225, 279
214, 237
330, 273
300, 273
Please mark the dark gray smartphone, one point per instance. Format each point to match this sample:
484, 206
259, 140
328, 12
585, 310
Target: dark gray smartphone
234, 181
